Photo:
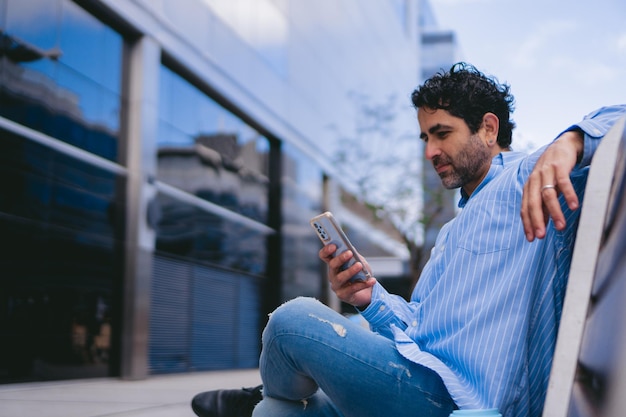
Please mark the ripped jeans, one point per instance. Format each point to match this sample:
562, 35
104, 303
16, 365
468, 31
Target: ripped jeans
316, 362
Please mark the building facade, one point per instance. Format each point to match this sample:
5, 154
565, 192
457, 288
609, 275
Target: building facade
160, 163
439, 50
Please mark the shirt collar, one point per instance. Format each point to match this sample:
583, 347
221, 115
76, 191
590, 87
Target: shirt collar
498, 164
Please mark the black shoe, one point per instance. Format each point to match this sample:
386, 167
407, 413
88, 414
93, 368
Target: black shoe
227, 402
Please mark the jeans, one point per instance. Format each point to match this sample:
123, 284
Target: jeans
316, 362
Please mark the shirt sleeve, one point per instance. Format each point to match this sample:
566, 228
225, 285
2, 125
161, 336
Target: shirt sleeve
387, 310
594, 126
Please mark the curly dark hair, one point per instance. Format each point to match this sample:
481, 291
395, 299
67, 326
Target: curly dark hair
467, 93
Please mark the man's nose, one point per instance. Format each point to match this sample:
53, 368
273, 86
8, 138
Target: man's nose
431, 150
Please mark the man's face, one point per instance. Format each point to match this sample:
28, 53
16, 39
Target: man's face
460, 158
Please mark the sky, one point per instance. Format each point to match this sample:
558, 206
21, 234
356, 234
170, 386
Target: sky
562, 58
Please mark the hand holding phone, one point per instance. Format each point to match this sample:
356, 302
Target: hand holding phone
329, 231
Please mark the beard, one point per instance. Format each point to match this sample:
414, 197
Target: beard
466, 166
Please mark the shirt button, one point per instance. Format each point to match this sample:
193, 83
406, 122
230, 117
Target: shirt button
414, 324
381, 308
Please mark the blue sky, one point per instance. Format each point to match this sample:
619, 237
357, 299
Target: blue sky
562, 58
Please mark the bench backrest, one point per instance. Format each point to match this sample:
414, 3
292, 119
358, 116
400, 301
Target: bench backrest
588, 376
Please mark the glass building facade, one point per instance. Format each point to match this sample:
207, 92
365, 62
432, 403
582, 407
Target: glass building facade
439, 50
161, 161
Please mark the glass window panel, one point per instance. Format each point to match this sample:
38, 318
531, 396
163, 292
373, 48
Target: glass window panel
75, 98
59, 271
188, 231
208, 114
95, 104
34, 21
44, 185
59, 213
169, 136
90, 48
207, 151
302, 199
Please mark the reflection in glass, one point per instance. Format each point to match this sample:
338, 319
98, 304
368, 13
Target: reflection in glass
302, 191
206, 151
60, 66
193, 233
35, 21
209, 152
60, 72
90, 48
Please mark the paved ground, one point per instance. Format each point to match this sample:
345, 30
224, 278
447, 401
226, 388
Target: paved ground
157, 396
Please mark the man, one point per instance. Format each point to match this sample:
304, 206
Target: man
480, 329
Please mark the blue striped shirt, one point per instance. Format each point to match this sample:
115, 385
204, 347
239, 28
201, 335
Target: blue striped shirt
485, 312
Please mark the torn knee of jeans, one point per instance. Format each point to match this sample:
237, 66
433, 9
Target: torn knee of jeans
338, 328
402, 368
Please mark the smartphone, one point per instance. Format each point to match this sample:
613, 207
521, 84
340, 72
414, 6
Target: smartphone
329, 231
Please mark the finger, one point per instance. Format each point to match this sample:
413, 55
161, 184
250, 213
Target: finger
327, 252
547, 204
564, 184
347, 285
358, 293
337, 275
344, 276
340, 281
339, 260
353, 287
552, 204
552, 208
533, 210
366, 265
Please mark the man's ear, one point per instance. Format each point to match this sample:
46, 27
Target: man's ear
491, 126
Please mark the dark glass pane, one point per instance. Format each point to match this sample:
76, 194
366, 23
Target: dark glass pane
59, 262
192, 233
